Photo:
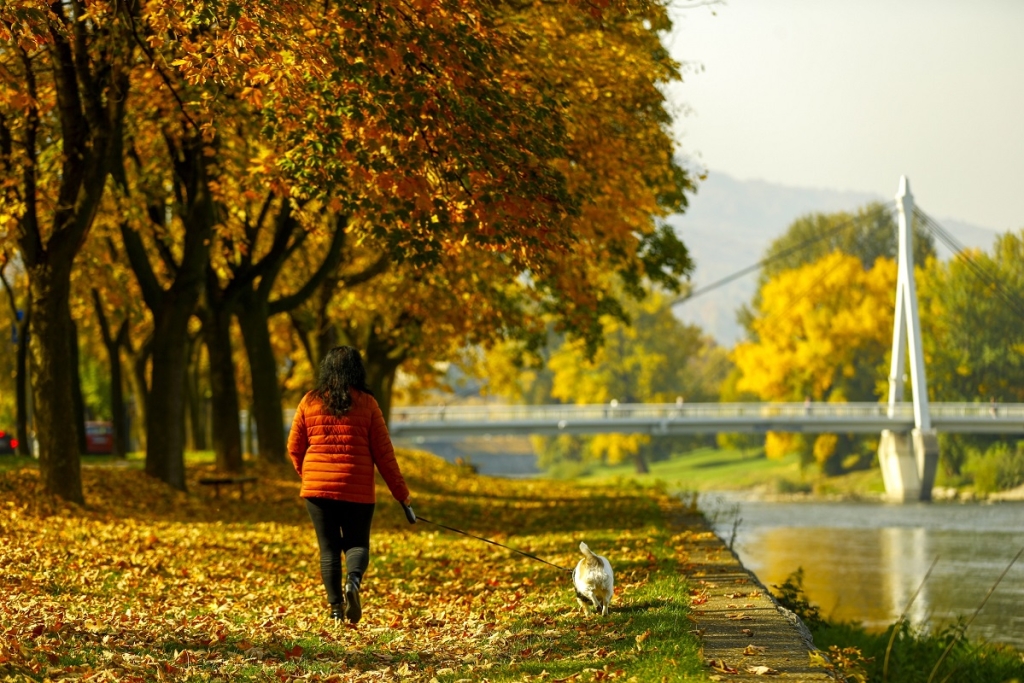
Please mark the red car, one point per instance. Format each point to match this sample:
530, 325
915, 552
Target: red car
99, 438
8, 444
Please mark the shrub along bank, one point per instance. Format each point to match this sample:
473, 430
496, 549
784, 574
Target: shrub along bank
902, 654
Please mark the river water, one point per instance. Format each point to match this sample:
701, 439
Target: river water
863, 561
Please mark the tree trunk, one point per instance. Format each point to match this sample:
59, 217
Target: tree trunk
89, 87
50, 334
253, 317
254, 311
172, 307
641, 463
140, 390
380, 376
21, 379
119, 417
165, 410
112, 343
21, 386
226, 428
382, 359
326, 339
197, 401
190, 399
118, 414
78, 402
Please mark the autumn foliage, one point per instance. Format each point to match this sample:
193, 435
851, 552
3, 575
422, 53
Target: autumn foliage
818, 327
405, 177
822, 332
152, 583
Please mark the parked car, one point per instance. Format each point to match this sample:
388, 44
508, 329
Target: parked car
8, 444
99, 438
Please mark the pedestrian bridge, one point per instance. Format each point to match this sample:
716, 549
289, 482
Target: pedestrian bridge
701, 418
908, 447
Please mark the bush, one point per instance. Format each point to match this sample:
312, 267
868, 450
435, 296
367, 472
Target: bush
916, 656
916, 653
791, 596
1000, 467
782, 485
566, 470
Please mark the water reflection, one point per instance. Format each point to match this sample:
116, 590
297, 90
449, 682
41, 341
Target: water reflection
863, 562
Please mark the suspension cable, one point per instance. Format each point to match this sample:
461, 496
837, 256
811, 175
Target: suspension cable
789, 251
983, 274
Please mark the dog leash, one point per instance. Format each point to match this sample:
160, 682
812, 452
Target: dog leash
413, 518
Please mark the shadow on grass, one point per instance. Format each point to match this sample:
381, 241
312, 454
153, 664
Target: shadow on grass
319, 653
483, 506
640, 607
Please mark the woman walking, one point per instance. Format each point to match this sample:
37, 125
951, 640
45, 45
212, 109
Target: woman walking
337, 438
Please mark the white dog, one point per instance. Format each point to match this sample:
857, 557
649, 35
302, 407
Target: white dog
594, 581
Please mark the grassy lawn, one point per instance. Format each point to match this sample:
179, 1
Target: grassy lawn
135, 460
148, 582
714, 469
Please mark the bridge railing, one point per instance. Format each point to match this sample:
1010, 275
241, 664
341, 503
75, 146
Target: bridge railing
658, 410
693, 418
503, 413
991, 410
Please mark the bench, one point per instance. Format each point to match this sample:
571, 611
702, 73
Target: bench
227, 480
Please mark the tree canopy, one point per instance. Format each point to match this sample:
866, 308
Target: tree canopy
413, 176
972, 319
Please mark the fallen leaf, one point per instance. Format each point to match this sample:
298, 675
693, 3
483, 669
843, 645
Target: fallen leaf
762, 671
720, 665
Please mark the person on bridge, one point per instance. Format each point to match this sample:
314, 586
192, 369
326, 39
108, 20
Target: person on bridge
337, 437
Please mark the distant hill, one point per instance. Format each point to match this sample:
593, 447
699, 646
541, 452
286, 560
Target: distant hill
729, 225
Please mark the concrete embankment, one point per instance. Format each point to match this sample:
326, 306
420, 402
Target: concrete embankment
746, 634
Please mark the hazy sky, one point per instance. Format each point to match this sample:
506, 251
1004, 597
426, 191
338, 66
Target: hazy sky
849, 94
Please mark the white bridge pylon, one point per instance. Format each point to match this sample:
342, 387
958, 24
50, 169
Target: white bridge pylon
908, 460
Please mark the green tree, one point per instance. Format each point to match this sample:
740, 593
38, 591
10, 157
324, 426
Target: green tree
869, 233
62, 108
972, 320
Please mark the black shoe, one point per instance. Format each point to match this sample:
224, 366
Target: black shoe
353, 610
337, 612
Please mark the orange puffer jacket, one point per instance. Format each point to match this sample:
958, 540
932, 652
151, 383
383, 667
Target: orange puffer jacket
335, 454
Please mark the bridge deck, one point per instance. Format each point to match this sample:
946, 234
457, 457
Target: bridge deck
700, 418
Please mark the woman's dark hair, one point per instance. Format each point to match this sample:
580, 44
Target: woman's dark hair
340, 370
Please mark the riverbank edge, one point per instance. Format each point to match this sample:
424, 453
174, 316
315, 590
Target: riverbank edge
943, 495
745, 633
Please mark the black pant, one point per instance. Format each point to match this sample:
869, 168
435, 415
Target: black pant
341, 527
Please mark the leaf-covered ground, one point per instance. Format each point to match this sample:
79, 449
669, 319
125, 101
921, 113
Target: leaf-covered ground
146, 583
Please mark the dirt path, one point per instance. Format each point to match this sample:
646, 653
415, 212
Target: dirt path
746, 635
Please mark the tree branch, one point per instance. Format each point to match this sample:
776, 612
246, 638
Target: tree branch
303, 334
267, 267
29, 235
108, 339
163, 76
152, 292
368, 273
331, 261
92, 109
